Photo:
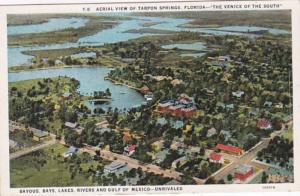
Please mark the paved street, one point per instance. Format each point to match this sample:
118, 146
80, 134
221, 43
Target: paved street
31, 149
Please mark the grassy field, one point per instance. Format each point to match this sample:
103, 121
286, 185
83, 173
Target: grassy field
275, 19
27, 171
289, 134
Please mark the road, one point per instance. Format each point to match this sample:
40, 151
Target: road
14, 125
133, 163
248, 156
31, 149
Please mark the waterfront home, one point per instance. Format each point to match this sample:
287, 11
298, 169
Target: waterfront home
148, 96
113, 167
144, 90
216, 158
39, 135
210, 132
66, 95
70, 152
243, 172
229, 149
263, 123
129, 150
179, 161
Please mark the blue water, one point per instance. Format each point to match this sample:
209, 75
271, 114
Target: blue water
84, 55
186, 46
91, 79
52, 25
117, 34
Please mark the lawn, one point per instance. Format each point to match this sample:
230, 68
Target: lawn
29, 171
289, 134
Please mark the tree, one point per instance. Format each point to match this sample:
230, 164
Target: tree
264, 177
187, 180
210, 180
229, 177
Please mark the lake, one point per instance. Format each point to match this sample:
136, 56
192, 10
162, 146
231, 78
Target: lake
52, 24
91, 79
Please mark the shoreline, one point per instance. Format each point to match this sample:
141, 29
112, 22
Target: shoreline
62, 67
120, 83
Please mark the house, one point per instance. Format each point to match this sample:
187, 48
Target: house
243, 172
229, 149
113, 167
179, 161
66, 95
70, 125
14, 145
184, 98
253, 112
176, 82
216, 158
229, 106
224, 58
70, 152
144, 90
157, 145
129, 150
161, 121
74, 127
102, 130
268, 104
210, 132
39, 135
187, 128
263, 123
177, 144
238, 94
148, 96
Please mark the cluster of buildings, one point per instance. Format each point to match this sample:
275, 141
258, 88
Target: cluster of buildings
181, 107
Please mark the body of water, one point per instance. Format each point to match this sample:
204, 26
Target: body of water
91, 79
52, 24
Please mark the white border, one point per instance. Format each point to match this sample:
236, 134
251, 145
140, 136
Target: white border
294, 5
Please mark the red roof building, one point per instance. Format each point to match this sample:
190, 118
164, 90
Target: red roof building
229, 149
263, 123
216, 158
243, 172
129, 150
